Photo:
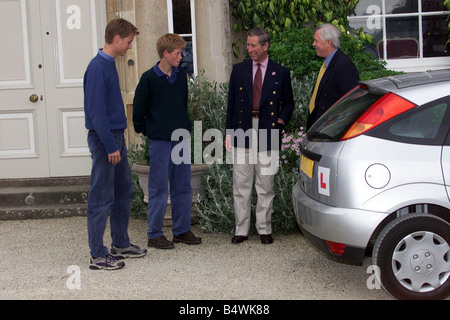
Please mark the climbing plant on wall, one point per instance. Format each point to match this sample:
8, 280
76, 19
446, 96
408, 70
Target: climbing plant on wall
280, 15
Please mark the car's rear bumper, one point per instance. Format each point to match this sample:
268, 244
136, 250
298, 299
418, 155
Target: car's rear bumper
320, 223
351, 255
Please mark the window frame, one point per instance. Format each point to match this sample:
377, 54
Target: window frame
411, 64
192, 35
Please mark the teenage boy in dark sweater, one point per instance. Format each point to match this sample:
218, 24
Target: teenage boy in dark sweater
111, 185
160, 108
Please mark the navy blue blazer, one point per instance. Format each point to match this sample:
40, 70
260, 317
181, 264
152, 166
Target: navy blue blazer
339, 78
277, 101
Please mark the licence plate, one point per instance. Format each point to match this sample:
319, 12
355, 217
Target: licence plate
307, 166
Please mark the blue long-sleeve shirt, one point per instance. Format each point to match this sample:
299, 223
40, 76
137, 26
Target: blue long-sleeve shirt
103, 104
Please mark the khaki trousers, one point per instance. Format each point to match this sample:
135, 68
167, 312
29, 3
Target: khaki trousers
248, 162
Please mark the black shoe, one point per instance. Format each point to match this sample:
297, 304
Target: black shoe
160, 242
238, 239
266, 238
187, 238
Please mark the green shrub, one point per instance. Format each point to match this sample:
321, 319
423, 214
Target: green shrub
302, 88
280, 15
294, 50
207, 102
216, 213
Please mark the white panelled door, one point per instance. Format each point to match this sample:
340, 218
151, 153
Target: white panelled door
47, 45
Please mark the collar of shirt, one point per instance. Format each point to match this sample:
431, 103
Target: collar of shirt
263, 67
160, 74
105, 55
328, 59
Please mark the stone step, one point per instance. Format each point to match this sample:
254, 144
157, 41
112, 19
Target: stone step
43, 198
42, 211
46, 195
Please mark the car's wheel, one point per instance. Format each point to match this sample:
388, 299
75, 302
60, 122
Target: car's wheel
413, 256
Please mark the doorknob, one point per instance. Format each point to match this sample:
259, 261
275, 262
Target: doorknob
34, 98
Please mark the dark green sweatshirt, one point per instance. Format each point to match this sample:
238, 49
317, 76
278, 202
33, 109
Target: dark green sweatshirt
160, 104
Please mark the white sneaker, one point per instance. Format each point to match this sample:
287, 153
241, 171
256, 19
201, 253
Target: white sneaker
107, 262
133, 251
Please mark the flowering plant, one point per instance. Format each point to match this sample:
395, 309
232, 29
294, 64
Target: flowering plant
290, 148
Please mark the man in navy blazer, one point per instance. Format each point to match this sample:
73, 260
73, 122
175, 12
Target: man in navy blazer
340, 74
256, 130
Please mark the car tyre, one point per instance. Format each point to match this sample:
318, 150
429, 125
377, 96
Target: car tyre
412, 254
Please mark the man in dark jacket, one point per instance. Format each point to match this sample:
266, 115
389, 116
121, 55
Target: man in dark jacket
260, 104
337, 76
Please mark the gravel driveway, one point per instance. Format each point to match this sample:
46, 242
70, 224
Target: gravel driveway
48, 259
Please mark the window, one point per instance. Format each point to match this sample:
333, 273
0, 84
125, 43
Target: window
406, 31
181, 15
421, 125
426, 125
333, 125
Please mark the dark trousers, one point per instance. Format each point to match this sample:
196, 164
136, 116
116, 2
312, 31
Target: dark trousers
164, 172
110, 194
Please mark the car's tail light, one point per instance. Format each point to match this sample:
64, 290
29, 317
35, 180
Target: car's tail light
336, 248
386, 108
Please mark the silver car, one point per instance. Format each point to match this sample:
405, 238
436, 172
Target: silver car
375, 179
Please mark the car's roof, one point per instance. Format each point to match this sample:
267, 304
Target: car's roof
408, 80
435, 83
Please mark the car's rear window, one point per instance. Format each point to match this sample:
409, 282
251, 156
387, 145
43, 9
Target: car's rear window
425, 125
337, 120
420, 125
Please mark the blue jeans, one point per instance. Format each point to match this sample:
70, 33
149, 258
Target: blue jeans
110, 193
164, 172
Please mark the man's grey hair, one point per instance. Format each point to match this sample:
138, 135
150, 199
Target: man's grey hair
330, 32
263, 34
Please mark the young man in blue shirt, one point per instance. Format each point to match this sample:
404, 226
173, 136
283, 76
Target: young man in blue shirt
160, 108
111, 188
